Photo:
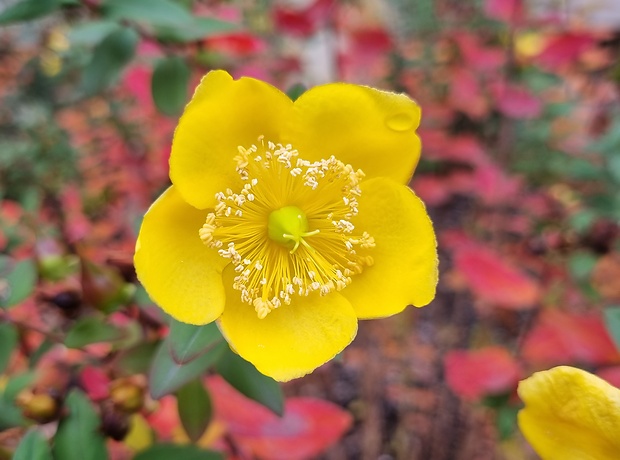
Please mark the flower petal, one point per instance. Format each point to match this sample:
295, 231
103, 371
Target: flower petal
292, 340
405, 256
180, 273
222, 115
570, 413
370, 129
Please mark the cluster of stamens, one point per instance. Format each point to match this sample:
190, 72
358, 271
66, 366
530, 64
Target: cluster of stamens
320, 253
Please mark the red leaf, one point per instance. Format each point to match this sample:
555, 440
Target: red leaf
494, 280
610, 374
477, 373
510, 11
237, 44
515, 101
565, 49
478, 56
307, 428
563, 338
431, 190
493, 186
95, 383
302, 22
466, 95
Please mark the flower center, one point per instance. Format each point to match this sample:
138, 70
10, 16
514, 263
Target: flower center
288, 231
289, 226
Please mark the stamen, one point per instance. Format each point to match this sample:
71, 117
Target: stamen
288, 231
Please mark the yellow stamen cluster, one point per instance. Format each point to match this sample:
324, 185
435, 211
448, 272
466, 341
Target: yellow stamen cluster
271, 267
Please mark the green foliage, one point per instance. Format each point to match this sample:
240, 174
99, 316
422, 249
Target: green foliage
27, 10
187, 341
20, 278
169, 451
170, 84
78, 436
195, 408
33, 446
92, 329
110, 56
244, 377
168, 375
612, 323
8, 341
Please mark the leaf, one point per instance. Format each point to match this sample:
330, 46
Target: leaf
90, 33
27, 10
494, 280
612, 323
295, 91
472, 374
169, 85
153, 12
8, 340
309, 426
110, 56
195, 409
188, 341
136, 360
21, 281
561, 338
169, 451
196, 29
168, 375
10, 414
91, 329
244, 377
78, 436
33, 446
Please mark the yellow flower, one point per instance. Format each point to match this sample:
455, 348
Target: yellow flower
570, 414
271, 227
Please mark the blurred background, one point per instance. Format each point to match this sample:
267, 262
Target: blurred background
520, 171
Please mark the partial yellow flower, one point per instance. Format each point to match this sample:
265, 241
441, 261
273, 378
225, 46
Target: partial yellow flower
570, 414
289, 221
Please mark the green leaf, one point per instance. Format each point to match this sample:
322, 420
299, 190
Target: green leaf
8, 341
581, 264
169, 85
136, 360
613, 164
295, 91
78, 436
187, 341
195, 409
612, 323
33, 446
110, 56
10, 414
181, 452
153, 12
506, 421
250, 382
20, 283
197, 29
27, 10
90, 33
168, 375
91, 329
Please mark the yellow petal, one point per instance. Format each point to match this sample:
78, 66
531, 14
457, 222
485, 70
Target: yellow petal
179, 272
405, 256
370, 129
292, 340
222, 115
570, 414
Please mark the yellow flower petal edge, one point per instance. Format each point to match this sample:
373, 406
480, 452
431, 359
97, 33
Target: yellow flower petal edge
371, 129
404, 271
222, 115
570, 414
293, 340
181, 274
287, 222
